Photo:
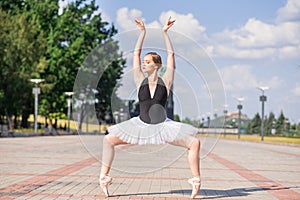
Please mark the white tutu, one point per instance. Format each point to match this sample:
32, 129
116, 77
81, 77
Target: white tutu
135, 131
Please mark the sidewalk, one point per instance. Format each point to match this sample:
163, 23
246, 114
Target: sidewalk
67, 167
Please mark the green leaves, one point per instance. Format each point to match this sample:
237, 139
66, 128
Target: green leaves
22, 45
36, 42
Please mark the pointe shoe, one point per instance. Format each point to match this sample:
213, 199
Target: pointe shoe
104, 180
196, 183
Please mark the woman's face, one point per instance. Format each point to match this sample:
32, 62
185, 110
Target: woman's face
148, 64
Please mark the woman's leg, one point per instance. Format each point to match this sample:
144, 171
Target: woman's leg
108, 152
193, 146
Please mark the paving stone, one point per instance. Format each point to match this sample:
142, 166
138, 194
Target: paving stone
60, 168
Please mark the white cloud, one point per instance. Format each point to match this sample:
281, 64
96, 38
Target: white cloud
289, 52
185, 23
125, 18
290, 12
296, 90
274, 82
154, 24
257, 39
254, 40
238, 77
104, 15
241, 77
256, 33
62, 4
226, 50
182, 34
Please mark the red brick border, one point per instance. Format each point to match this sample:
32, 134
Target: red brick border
26, 186
277, 190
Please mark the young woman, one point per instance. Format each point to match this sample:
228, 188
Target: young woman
152, 126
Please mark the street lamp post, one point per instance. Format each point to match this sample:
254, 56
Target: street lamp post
239, 107
208, 119
116, 115
203, 120
225, 118
36, 91
69, 102
262, 98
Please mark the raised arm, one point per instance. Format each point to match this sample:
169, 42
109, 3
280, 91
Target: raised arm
137, 72
169, 74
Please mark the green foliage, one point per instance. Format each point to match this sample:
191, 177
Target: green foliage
254, 126
13, 6
74, 35
22, 45
269, 124
57, 115
176, 118
280, 124
191, 122
37, 42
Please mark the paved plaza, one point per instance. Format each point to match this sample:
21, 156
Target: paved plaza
67, 167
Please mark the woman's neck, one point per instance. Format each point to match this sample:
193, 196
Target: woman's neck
153, 77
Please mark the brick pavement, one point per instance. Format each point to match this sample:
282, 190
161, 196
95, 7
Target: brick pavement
60, 167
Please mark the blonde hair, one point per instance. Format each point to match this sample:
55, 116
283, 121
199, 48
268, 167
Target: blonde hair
156, 58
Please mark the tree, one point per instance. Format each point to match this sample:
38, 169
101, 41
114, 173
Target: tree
37, 42
77, 31
280, 124
248, 128
177, 118
22, 45
106, 64
35, 18
255, 124
187, 120
13, 6
269, 123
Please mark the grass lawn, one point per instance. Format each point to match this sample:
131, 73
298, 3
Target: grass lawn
257, 138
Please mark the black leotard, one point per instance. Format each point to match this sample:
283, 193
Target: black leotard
152, 110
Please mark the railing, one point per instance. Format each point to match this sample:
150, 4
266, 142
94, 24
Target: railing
218, 131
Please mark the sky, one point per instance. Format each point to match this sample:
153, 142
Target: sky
246, 43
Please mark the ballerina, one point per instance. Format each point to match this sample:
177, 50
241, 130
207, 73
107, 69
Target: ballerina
152, 125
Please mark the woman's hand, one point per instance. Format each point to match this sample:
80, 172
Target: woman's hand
140, 24
168, 24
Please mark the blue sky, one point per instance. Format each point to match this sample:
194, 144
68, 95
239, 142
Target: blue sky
216, 15
251, 43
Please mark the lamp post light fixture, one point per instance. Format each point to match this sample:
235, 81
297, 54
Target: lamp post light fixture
116, 116
262, 98
36, 91
297, 127
69, 101
225, 118
239, 107
208, 119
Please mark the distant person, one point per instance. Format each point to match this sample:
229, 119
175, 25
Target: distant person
152, 126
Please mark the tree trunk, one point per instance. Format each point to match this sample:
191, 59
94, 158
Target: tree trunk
15, 121
25, 116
